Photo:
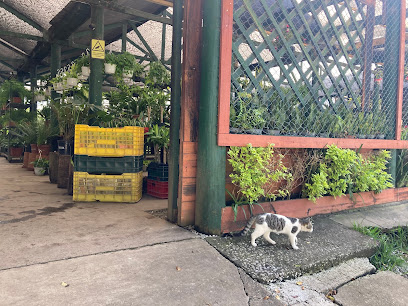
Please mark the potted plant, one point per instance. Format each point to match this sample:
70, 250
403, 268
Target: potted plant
44, 133
110, 63
16, 147
157, 179
127, 65
378, 74
82, 64
72, 77
14, 91
40, 166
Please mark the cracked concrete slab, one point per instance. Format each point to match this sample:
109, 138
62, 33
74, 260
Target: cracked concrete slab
257, 293
337, 276
383, 288
40, 223
328, 245
176, 273
386, 216
312, 289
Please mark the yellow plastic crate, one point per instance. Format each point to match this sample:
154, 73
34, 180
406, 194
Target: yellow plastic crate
109, 142
108, 188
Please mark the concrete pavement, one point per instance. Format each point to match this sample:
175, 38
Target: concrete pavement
56, 252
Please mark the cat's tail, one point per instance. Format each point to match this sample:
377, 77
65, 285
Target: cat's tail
248, 226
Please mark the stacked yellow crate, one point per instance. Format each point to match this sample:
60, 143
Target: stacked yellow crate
106, 151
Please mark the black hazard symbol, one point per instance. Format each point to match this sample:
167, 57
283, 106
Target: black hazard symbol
98, 47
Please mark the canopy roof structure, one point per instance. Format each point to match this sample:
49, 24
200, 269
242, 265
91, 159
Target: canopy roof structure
29, 27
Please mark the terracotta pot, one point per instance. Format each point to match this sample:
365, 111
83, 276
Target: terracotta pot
45, 149
16, 100
34, 148
31, 159
300, 208
25, 160
16, 152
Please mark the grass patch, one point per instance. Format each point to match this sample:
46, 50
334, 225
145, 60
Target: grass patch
392, 253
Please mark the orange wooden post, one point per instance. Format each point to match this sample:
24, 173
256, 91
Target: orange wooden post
189, 111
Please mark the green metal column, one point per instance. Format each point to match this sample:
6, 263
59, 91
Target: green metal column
96, 77
33, 81
124, 36
55, 65
211, 159
391, 62
163, 42
175, 111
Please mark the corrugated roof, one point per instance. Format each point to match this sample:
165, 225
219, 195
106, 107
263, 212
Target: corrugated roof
59, 19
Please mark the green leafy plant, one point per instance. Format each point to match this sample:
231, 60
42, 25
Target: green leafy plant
26, 131
370, 174
44, 132
40, 163
157, 76
13, 88
159, 137
126, 62
251, 172
402, 162
391, 253
344, 170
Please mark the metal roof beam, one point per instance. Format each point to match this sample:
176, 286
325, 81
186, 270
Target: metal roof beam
128, 10
161, 2
22, 17
87, 32
11, 59
22, 35
11, 47
7, 65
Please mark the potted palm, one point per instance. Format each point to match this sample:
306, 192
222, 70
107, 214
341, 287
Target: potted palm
44, 133
14, 91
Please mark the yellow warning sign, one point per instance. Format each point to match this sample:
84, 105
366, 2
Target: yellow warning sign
98, 49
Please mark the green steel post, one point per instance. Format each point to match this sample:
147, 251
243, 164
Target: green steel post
55, 65
163, 45
390, 77
33, 81
124, 36
211, 159
96, 77
175, 111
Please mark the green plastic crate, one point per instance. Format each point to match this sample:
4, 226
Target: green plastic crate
158, 172
108, 165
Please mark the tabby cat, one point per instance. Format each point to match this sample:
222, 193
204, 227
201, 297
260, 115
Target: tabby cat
267, 223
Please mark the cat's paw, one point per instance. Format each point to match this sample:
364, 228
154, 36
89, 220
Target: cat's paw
295, 247
254, 244
272, 242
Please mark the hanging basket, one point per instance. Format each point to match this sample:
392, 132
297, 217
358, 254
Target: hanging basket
110, 68
39, 171
86, 71
127, 74
72, 82
39, 97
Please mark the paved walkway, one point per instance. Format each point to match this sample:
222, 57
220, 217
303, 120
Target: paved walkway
56, 252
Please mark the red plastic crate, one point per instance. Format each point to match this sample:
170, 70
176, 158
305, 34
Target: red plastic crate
158, 189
